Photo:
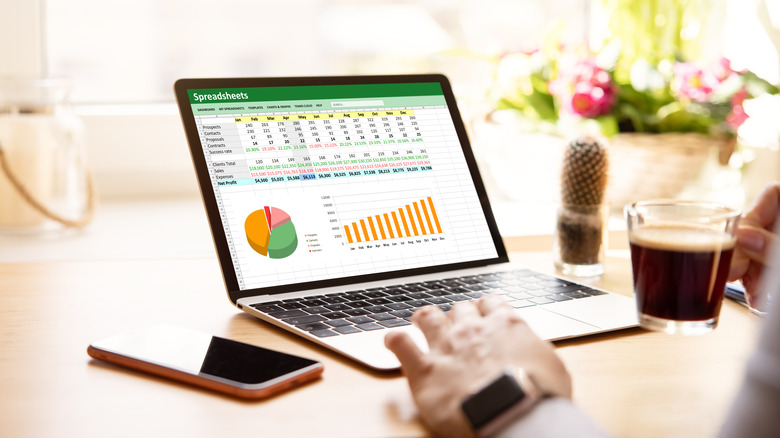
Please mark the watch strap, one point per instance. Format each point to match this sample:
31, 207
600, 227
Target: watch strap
499, 403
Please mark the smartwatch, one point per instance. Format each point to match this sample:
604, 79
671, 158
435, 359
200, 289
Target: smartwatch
499, 403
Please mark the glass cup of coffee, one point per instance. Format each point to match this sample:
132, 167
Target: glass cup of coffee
680, 254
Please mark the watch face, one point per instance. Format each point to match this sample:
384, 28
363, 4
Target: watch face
492, 400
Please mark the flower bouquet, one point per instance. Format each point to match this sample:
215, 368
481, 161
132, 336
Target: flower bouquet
662, 118
570, 91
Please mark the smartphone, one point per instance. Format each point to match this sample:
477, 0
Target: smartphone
211, 362
736, 292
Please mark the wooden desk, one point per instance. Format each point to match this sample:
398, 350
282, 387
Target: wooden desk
634, 383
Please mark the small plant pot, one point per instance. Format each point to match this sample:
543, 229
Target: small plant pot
580, 241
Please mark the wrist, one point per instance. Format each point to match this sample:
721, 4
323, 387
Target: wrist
499, 403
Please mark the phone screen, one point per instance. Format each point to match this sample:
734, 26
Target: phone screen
204, 355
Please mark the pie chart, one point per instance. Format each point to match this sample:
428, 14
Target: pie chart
271, 233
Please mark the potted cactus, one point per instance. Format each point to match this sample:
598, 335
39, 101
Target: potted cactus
581, 230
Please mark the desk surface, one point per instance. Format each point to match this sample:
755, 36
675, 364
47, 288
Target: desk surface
633, 383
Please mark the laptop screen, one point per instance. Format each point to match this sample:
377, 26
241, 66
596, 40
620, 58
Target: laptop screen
317, 182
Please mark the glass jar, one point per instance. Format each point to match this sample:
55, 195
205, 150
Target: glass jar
45, 185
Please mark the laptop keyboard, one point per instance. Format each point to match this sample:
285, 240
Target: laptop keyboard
343, 313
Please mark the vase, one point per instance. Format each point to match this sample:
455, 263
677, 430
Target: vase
44, 182
580, 239
654, 166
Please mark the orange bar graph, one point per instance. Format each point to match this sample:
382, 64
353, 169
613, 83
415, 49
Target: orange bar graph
389, 226
403, 219
365, 231
435, 217
419, 218
381, 228
397, 227
373, 230
427, 218
411, 219
392, 228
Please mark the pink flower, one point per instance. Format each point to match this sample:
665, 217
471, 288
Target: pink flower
692, 82
591, 101
739, 97
585, 90
722, 70
737, 116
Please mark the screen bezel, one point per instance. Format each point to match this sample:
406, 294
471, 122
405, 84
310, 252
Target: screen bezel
181, 88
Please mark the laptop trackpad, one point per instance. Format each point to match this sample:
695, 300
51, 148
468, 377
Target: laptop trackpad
607, 311
550, 325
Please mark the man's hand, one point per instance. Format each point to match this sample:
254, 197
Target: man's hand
469, 348
754, 238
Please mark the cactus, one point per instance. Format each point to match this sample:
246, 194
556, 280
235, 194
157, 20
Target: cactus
584, 175
581, 227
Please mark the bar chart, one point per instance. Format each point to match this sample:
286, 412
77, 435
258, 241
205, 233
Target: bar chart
414, 219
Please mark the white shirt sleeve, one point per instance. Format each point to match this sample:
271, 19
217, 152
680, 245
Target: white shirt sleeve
553, 417
756, 410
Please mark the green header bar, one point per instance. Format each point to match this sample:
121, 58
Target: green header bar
290, 106
308, 92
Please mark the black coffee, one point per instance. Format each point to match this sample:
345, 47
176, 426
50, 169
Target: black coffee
680, 272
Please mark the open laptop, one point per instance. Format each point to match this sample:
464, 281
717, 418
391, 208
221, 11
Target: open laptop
339, 205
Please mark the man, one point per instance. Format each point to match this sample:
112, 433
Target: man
476, 342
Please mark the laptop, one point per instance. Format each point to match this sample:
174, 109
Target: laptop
339, 205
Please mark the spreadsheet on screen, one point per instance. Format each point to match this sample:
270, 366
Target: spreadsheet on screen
325, 181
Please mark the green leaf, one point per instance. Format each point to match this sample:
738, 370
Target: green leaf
630, 112
608, 125
543, 104
629, 96
727, 89
539, 83
676, 118
757, 86
507, 104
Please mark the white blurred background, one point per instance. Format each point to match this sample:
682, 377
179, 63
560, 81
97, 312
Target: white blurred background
123, 57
